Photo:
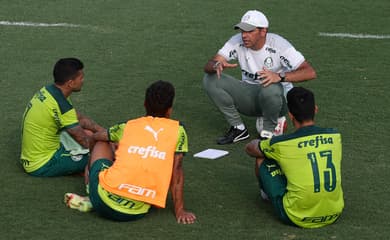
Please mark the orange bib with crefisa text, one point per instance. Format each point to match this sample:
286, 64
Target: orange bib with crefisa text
143, 161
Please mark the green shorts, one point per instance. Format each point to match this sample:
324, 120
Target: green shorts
62, 163
273, 182
98, 205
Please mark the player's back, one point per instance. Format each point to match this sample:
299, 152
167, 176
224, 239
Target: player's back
47, 113
310, 158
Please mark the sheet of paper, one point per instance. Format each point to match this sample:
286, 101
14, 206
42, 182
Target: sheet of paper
211, 153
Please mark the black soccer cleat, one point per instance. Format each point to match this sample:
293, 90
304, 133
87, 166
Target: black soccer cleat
233, 135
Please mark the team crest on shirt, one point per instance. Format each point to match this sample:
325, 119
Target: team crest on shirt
268, 62
233, 54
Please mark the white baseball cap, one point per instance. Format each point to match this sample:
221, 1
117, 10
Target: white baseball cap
252, 19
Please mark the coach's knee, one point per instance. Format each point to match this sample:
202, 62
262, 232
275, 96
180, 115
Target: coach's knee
209, 80
273, 90
271, 97
209, 83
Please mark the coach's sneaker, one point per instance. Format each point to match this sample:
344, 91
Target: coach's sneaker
280, 128
233, 135
74, 201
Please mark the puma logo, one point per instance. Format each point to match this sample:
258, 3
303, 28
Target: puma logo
155, 133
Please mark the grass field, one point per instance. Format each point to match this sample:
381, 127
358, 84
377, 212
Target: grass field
126, 45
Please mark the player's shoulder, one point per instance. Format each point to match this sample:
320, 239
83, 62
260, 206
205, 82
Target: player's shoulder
304, 132
58, 98
182, 127
44, 94
181, 124
321, 130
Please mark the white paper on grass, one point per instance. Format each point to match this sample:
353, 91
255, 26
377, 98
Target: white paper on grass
211, 153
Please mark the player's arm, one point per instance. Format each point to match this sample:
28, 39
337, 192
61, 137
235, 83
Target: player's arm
101, 136
253, 150
89, 124
217, 64
112, 134
81, 136
176, 187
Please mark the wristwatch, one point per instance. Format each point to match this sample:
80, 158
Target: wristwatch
216, 65
282, 76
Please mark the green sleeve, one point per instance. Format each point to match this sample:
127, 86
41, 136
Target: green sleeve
182, 141
115, 132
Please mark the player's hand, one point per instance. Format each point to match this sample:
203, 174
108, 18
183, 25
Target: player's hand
220, 65
267, 77
184, 217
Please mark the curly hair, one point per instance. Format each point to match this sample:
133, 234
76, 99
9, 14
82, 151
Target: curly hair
159, 98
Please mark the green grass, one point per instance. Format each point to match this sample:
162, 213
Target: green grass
129, 44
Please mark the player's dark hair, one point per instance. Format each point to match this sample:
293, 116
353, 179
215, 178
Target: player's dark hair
66, 69
301, 104
159, 98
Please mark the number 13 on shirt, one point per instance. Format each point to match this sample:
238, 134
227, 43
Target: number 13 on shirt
329, 172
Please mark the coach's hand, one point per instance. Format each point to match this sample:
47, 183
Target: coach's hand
220, 65
267, 77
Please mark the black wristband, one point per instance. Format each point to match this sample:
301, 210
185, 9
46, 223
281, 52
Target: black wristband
282, 76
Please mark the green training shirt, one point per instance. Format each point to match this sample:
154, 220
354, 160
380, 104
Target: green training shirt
310, 158
46, 115
126, 205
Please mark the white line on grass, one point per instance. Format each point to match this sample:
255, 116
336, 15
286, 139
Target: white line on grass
56, 25
349, 35
35, 24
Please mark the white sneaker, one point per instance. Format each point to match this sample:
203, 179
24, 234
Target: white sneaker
264, 134
280, 128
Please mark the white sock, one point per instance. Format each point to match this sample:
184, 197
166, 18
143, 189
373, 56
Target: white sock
240, 126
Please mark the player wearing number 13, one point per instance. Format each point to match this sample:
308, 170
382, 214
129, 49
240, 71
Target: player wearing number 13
300, 172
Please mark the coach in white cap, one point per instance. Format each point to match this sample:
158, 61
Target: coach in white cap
269, 65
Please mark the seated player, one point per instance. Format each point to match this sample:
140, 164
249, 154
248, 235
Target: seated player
55, 137
148, 161
300, 172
